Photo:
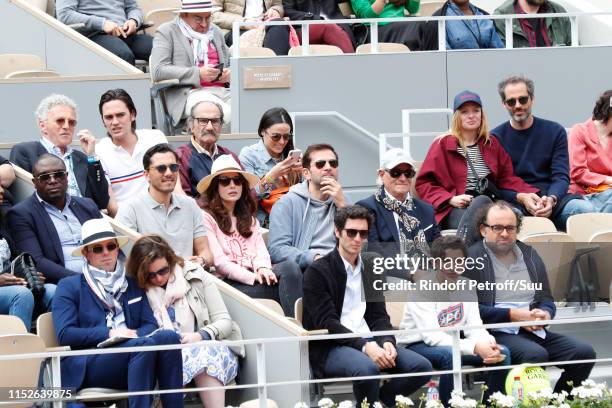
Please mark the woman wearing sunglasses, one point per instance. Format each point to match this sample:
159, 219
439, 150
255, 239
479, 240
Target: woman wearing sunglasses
402, 223
269, 160
466, 169
239, 252
184, 298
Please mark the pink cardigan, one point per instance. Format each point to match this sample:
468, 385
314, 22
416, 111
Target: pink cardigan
590, 162
236, 257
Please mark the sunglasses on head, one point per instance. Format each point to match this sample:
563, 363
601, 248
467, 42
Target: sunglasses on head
352, 233
98, 249
162, 168
395, 173
57, 175
333, 163
521, 99
277, 136
225, 180
162, 272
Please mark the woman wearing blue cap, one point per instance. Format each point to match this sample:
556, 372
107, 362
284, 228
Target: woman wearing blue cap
466, 169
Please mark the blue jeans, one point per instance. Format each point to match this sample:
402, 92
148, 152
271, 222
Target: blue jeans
442, 359
591, 203
17, 300
343, 361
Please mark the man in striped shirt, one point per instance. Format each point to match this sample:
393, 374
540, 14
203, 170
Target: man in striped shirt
122, 151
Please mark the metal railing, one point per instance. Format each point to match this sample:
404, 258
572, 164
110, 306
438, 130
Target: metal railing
509, 18
263, 385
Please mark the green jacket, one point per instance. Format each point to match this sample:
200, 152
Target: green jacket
363, 9
559, 30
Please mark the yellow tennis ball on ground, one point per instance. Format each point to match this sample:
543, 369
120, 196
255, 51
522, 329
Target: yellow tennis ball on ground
532, 378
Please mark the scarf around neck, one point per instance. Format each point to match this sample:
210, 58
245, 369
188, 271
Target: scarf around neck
108, 287
199, 42
173, 296
412, 238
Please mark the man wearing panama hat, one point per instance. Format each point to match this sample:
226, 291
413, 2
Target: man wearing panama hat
192, 49
101, 304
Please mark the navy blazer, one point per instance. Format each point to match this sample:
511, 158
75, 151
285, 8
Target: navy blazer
33, 231
79, 318
89, 176
384, 229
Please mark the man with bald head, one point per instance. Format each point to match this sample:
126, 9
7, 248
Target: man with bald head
48, 223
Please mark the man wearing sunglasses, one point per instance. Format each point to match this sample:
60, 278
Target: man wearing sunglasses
48, 223
333, 300
538, 149
511, 261
402, 223
103, 303
301, 222
57, 120
196, 157
159, 210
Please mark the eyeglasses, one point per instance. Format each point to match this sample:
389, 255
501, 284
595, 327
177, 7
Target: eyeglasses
352, 233
200, 20
205, 121
333, 163
225, 181
162, 272
277, 136
98, 249
56, 175
498, 229
395, 173
521, 99
63, 121
162, 168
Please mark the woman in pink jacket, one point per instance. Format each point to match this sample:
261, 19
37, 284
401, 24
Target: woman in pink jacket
235, 238
590, 153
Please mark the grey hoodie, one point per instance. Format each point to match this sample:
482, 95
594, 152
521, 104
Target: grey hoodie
301, 227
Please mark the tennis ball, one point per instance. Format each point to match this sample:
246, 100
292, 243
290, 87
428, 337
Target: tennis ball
532, 378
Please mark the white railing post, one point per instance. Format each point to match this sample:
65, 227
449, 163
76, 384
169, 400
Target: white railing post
574, 26
236, 39
262, 386
374, 38
442, 35
382, 145
305, 39
509, 33
457, 380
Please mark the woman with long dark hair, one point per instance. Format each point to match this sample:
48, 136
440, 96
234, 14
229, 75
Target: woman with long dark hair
235, 238
269, 160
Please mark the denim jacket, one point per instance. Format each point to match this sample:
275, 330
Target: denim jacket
470, 34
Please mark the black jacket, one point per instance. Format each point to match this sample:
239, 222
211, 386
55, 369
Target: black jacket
89, 176
537, 272
324, 287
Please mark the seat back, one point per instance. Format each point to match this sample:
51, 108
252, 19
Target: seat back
603, 261
346, 9
557, 250
536, 225
46, 330
429, 7
395, 310
299, 310
156, 17
33, 73
382, 47
256, 52
12, 325
316, 49
22, 373
10, 63
273, 305
582, 226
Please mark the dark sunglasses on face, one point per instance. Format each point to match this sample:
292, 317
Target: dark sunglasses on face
352, 233
277, 136
62, 121
498, 229
333, 163
225, 181
521, 99
162, 272
395, 173
57, 175
204, 121
98, 249
162, 168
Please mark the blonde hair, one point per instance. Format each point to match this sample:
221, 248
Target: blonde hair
457, 132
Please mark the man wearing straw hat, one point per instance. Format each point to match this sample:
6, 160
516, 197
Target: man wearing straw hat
192, 49
103, 304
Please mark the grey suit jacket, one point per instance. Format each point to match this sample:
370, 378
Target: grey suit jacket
172, 58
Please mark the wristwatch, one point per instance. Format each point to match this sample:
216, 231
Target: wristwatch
93, 158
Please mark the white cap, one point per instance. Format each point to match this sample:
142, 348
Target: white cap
396, 156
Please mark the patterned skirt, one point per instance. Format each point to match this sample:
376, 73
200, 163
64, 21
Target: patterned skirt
217, 361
